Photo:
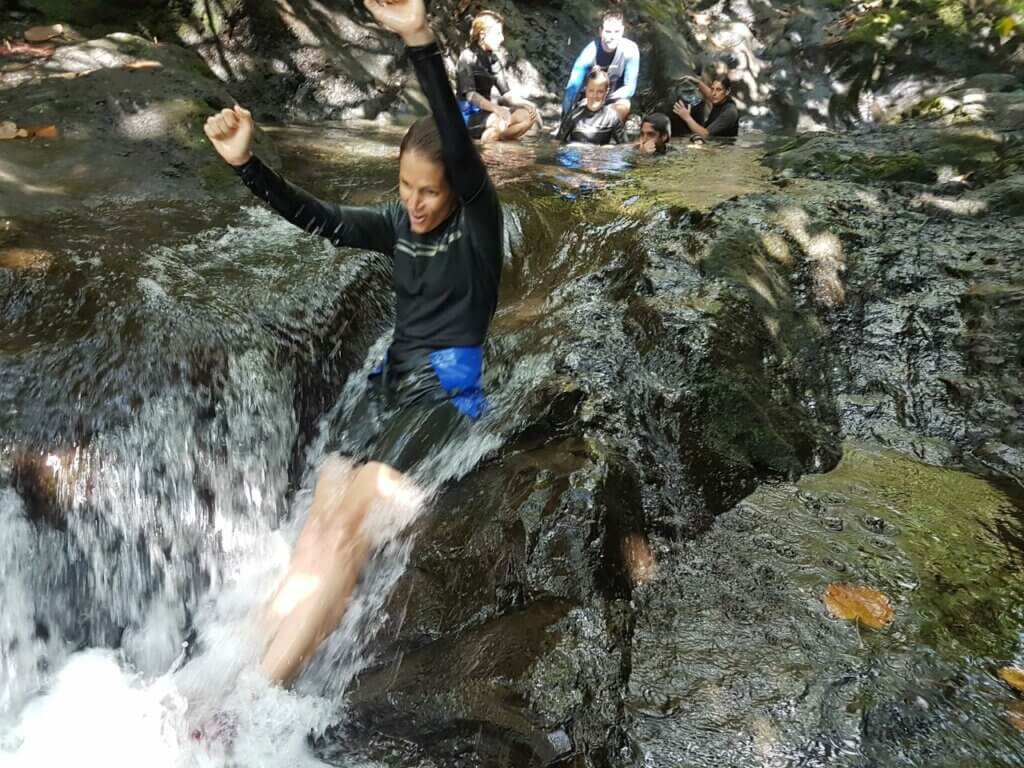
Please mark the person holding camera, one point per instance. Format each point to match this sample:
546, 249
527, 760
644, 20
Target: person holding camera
722, 120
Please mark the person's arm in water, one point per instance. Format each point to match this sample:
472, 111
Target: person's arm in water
630, 74
569, 120
467, 84
618, 132
231, 133
584, 63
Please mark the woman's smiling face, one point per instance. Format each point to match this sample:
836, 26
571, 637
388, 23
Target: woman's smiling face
424, 191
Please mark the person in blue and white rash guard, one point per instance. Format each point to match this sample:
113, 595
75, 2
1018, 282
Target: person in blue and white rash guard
618, 56
444, 236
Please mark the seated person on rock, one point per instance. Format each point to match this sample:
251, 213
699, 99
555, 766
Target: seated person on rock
480, 73
721, 120
593, 121
614, 54
655, 134
443, 237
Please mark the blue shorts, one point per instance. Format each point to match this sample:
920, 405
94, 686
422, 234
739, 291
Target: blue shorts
401, 418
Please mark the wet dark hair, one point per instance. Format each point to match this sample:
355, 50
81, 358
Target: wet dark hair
724, 80
424, 139
660, 122
597, 76
612, 14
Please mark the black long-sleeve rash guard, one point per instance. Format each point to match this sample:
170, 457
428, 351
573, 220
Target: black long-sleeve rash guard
445, 281
600, 127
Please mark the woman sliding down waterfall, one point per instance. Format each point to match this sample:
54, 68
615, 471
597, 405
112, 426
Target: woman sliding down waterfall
445, 241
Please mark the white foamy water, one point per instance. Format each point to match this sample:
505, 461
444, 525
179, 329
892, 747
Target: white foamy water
95, 709
145, 703
167, 532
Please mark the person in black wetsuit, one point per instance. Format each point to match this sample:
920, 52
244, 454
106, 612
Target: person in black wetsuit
445, 238
593, 121
480, 73
722, 120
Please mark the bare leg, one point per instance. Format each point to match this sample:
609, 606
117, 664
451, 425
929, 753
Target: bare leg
622, 107
325, 565
522, 121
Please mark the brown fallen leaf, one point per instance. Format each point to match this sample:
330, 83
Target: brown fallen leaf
1013, 677
42, 34
639, 560
26, 49
1015, 713
859, 603
42, 132
8, 130
142, 64
24, 258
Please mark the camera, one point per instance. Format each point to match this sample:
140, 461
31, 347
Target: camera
690, 95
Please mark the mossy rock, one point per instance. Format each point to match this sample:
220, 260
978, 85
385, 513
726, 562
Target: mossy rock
825, 157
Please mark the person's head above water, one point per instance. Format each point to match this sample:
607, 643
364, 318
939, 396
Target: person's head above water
612, 28
720, 89
655, 133
595, 89
487, 31
423, 184
656, 127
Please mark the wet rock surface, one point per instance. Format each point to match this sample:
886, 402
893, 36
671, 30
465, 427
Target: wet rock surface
128, 117
737, 662
748, 338
941, 302
652, 364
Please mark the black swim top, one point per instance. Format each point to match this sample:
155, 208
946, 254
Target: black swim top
723, 120
599, 127
445, 281
478, 74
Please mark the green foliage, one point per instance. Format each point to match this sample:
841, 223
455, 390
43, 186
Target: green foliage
872, 28
937, 19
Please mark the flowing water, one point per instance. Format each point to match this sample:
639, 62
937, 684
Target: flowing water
163, 371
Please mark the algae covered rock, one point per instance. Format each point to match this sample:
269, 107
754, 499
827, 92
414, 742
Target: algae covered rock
129, 114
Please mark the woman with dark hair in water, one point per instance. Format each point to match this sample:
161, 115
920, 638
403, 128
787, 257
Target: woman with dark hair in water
480, 73
722, 120
593, 121
445, 239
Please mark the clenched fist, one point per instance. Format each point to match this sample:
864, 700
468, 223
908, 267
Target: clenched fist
230, 131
